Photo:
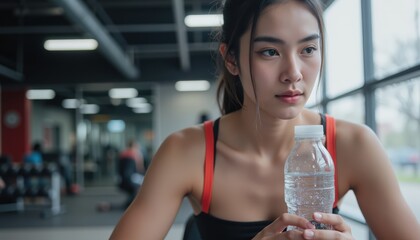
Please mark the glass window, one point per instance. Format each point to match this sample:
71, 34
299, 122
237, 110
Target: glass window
350, 108
344, 54
396, 35
398, 127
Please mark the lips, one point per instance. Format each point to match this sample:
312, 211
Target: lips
290, 96
290, 93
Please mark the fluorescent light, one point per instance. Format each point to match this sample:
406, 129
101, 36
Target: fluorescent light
135, 102
89, 109
72, 103
70, 44
40, 94
123, 93
205, 20
116, 126
198, 85
116, 101
143, 108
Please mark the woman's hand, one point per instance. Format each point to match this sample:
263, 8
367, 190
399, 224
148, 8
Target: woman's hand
276, 229
340, 229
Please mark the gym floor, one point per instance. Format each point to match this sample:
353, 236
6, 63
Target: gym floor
78, 219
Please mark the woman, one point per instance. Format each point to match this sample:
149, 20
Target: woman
272, 56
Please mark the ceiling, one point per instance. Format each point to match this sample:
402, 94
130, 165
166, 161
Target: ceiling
141, 43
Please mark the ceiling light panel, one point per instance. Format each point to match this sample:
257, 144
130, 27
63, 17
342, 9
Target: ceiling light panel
136, 102
204, 20
40, 94
89, 109
192, 86
72, 103
123, 93
144, 108
70, 44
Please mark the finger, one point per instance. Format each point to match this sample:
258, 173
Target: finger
294, 234
322, 234
287, 219
336, 221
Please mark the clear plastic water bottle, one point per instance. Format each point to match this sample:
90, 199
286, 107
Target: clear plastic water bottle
309, 175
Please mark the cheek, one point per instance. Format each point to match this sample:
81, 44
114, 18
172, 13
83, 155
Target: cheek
245, 76
311, 74
262, 76
265, 78
264, 84
267, 73
315, 65
247, 86
312, 71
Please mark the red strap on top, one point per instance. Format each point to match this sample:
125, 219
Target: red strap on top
209, 160
208, 167
330, 141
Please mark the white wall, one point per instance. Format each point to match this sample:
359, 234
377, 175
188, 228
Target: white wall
177, 110
42, 116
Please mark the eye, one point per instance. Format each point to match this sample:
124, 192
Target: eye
269, 52
309, 50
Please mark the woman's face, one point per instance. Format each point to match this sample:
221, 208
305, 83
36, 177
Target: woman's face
286, 60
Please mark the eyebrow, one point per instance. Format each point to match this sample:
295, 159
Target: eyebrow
281, 41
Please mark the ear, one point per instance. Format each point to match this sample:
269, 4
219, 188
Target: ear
229, 59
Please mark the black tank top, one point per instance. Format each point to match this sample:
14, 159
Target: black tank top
213, 228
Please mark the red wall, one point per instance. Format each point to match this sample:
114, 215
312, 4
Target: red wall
15, 124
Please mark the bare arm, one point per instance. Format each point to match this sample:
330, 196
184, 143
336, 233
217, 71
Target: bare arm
375, 185
166, 182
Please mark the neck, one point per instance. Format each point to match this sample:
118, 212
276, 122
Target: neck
267, 135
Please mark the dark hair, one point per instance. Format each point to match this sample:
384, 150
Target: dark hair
238, 16
36, 147
131, 143
204, 116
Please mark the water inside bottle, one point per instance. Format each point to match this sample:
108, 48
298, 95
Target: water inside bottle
306, 193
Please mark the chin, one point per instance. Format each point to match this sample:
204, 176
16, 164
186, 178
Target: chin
289, 113
287, 116
283, 115
283, 112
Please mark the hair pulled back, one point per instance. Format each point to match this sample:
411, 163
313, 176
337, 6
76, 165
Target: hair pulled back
238, 17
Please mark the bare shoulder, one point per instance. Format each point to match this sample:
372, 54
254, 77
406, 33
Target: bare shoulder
356, 142
184, 140
353, 134
182, 147
360, 153
180, 158
183, 137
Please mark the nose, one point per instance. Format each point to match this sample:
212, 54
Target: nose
291, 70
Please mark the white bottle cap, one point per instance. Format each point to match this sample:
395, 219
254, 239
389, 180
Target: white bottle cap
309, 131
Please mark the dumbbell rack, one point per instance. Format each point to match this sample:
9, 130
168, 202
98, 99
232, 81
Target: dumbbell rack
30, 187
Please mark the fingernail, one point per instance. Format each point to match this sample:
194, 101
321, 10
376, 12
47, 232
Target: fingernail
308, 234
317, 216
